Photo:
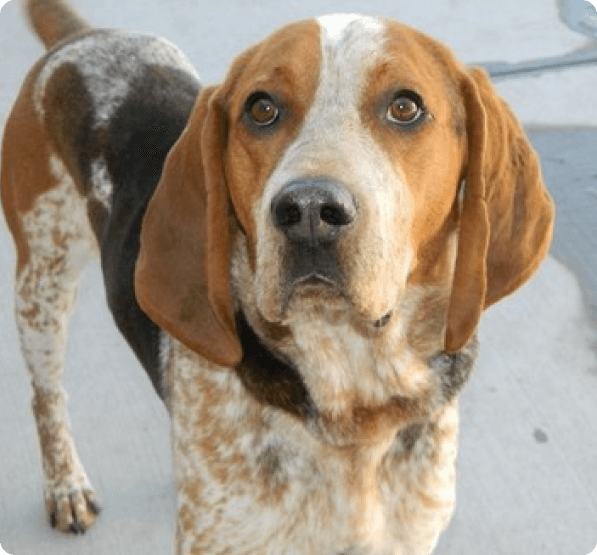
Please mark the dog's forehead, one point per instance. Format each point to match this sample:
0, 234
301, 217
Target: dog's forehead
341, 51
345, 41
338, 30
350, 44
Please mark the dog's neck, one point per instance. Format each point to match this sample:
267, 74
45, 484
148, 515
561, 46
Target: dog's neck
270, 379
315, 388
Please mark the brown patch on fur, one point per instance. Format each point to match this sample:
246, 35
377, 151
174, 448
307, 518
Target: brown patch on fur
428, 322
374, 424
507, 213
186, 520
286, 65
24, 146
430, 156
54, 20
274, 332
271, 473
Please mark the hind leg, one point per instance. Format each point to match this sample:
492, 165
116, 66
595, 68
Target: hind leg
59, 242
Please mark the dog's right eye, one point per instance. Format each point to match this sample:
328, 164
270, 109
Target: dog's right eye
261, 109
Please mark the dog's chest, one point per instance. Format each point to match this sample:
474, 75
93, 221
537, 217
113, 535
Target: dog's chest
254, 479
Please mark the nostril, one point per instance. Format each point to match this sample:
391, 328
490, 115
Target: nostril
288, 213
334, 214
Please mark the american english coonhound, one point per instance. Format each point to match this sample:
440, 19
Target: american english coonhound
299, 257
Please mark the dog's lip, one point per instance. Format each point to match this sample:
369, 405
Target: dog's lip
314, 279
314, 285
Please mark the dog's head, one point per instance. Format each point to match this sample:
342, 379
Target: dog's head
355, 158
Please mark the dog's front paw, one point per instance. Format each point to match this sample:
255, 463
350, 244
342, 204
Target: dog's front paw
72, 510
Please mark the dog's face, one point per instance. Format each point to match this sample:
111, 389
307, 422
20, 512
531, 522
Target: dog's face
331, 162
343, 157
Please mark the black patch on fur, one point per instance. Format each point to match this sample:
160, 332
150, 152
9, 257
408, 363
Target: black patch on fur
98, 215
455, 370
409, 436
68, 120
269, 461
141, 133
269, 379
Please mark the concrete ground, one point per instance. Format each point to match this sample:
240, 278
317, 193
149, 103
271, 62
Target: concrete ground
528, 463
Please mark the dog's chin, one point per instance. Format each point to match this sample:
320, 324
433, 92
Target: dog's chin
314, 297
317, 298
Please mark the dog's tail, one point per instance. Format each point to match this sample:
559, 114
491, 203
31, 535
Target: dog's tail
54, 20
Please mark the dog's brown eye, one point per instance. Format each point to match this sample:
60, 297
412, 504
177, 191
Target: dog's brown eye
262, 109
406, 108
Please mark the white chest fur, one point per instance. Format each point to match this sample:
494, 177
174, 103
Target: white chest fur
253, 479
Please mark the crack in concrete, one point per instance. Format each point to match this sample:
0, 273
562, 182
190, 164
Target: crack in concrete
504, 70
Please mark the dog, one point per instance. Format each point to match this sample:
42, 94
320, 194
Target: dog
299, 257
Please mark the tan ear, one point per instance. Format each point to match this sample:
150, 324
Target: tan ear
507, 214
182, 275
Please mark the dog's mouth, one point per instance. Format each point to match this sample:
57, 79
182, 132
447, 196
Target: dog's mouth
313, 266
319, 295
312, 288
316, 283
312, 273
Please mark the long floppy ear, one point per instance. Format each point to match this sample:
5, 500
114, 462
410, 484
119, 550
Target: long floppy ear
507, 214
182, 275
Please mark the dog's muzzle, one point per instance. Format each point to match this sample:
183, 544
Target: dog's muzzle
313, 215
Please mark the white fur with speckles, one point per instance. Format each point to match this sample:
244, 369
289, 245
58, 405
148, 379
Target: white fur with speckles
109, 63
60, 242
101, 182
253, 480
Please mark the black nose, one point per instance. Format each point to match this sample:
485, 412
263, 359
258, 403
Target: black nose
313, 211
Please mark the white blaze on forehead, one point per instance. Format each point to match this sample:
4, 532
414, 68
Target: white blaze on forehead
350, 44
339, 25
335, 25
332, 130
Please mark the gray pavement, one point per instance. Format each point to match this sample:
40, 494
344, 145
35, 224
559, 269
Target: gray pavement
569, 163
528, 462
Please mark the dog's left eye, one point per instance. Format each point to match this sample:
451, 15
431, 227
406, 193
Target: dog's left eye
261, 109
406, 108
